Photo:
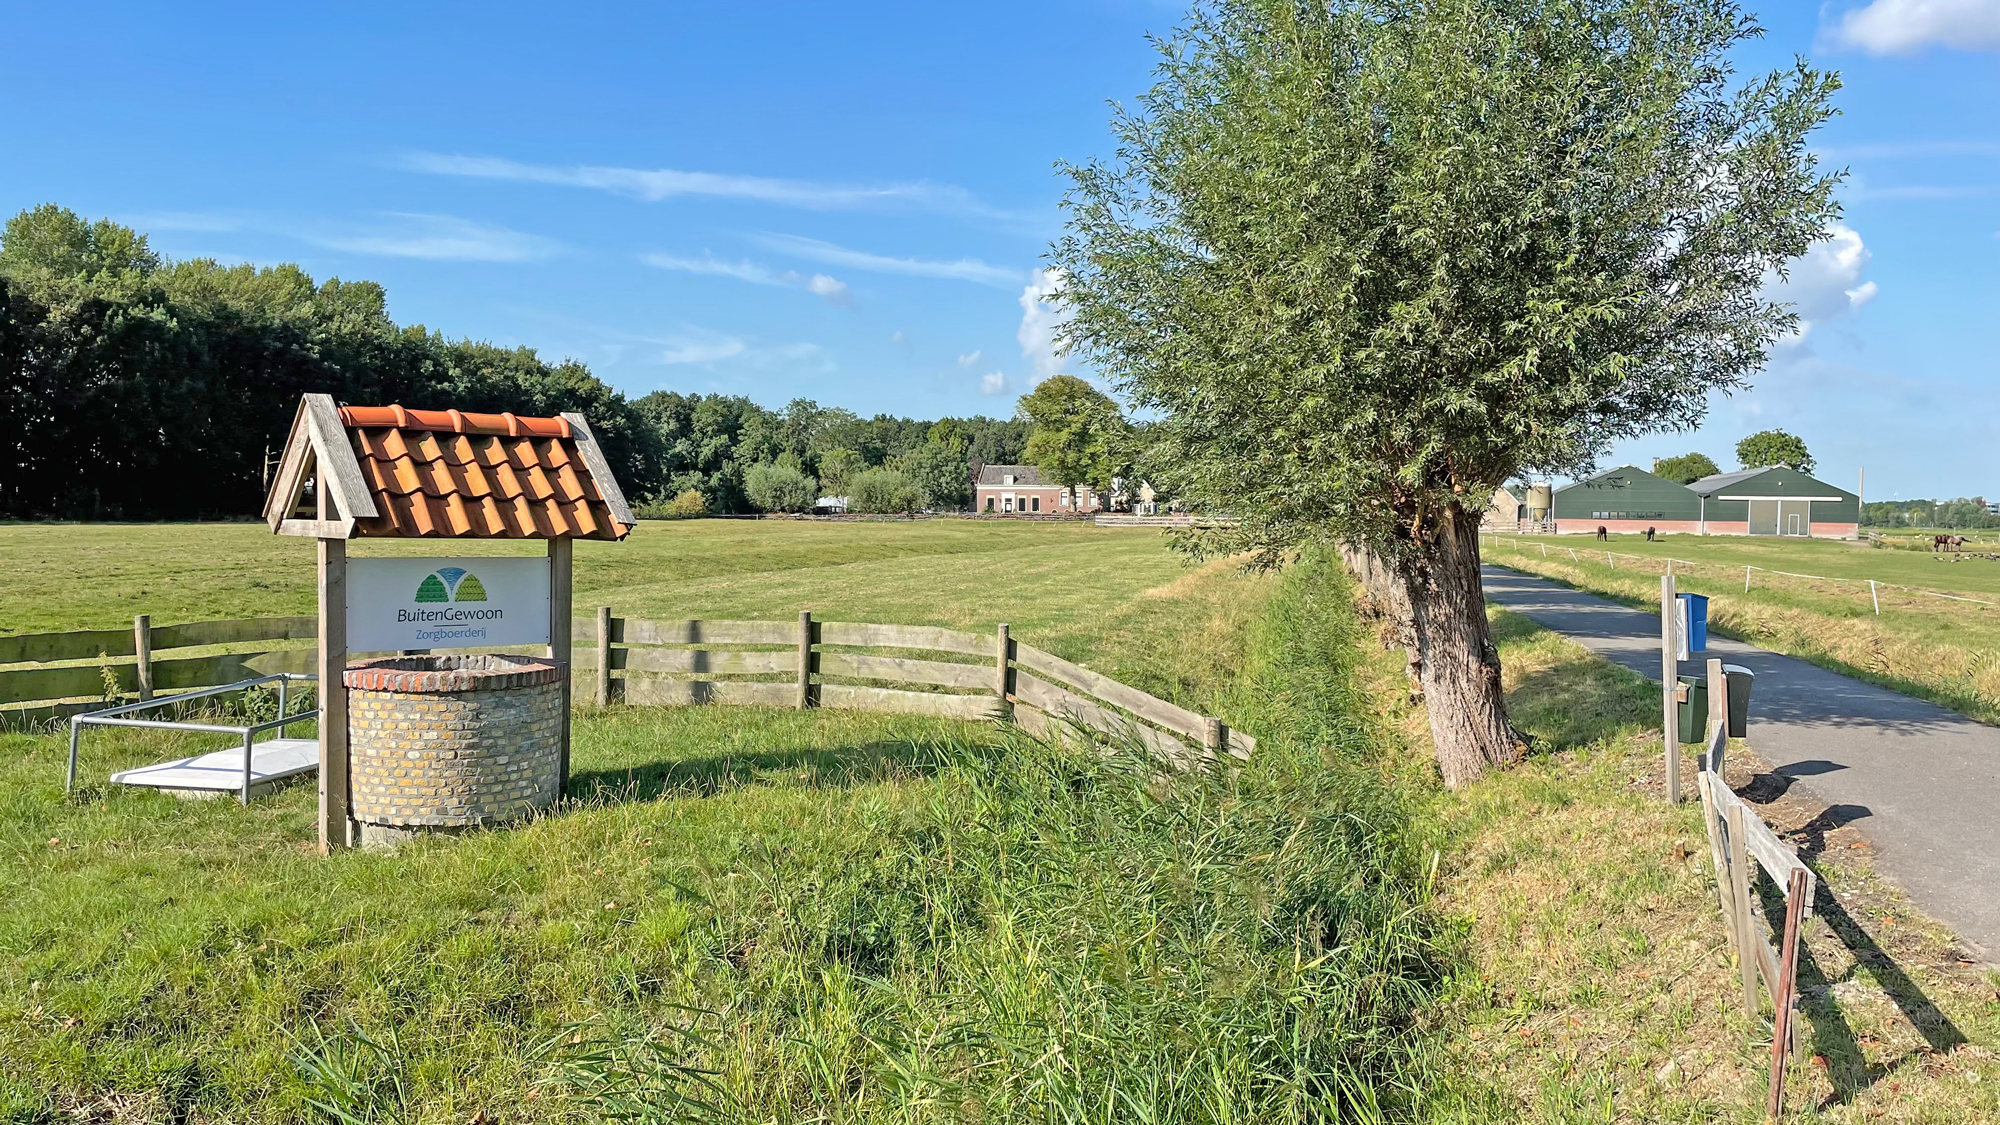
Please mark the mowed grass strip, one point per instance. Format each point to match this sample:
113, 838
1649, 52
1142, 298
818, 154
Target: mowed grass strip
767, 915
1603, 988
1945, 651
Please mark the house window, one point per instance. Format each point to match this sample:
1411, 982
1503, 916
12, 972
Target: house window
1007, 478
989, 503
1035, 504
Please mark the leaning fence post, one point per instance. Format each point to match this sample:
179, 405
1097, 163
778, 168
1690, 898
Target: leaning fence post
1739, 894
604, 656
1718, 711
805, 659
1215, 737
1003, 675
1785, 1002
1874, 597
142, 646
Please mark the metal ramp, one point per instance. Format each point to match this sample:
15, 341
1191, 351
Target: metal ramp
221, 771
247, 769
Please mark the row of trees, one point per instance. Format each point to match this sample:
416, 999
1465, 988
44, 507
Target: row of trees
1760, 450
134, 387
1964, 512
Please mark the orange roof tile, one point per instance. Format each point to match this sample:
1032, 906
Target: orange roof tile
451, 474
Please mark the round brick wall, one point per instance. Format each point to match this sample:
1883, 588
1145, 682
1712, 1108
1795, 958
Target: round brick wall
452, 741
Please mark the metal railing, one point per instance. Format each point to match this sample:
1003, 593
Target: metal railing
115, 717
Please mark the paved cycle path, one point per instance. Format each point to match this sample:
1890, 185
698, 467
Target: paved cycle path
1920, 782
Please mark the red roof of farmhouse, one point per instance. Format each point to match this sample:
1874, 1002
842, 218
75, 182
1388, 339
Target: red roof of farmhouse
454, 474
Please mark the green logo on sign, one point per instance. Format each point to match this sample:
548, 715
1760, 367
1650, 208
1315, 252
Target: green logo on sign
450, 584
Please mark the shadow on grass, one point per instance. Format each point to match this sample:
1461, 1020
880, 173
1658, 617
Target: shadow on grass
835, 767
1576, 701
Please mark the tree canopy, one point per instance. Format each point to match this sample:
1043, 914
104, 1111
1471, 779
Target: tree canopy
1079, 433
1773, 447
1687, 468
1368, 259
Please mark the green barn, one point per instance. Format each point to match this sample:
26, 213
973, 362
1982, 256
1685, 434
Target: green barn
1776, 501
1625, 499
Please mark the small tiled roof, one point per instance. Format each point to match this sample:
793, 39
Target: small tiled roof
451, 474
1023, 475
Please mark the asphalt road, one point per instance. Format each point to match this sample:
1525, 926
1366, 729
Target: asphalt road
1920, 782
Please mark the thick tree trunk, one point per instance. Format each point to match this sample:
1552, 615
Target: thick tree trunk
1460, 667
1390, 597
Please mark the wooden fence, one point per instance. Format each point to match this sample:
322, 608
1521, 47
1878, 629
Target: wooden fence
842, 665
1741, 844
917, 669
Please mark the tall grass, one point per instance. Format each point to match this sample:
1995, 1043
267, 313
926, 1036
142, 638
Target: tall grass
762, 916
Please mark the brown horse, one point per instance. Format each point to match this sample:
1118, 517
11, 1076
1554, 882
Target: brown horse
1947, 543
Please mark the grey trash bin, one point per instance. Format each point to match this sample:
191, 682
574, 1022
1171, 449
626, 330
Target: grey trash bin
1740, 681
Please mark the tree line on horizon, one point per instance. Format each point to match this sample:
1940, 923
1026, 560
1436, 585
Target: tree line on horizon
137, 387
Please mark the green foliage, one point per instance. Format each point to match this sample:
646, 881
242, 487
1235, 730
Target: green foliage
1687, 468
1079, 435
353, 1078
883, 491
838, 468
1964, 512
1773, 447
686, 504
780, 488
1366, 259
939, 469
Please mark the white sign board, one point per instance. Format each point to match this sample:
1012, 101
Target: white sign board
395, 604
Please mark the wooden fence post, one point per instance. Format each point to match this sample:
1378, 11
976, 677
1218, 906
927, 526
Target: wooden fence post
1718, 711
604, 656
142, 645
1669, 683
332, 657
1739, 897
1785, 997
1215, 739
805, 658
562, 569
1003, 672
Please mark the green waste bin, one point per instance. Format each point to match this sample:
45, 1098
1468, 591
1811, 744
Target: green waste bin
1692, 696
1740, 680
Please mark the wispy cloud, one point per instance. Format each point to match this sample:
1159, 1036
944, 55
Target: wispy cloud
656, 184
963, 269
969, 358
1901, 27
702, 350
992, 383
832, 290
435, 237
1907, 150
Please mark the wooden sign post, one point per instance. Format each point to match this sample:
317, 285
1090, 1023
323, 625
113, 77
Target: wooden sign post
1670, 685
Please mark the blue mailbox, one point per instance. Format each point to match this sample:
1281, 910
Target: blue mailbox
1694, 625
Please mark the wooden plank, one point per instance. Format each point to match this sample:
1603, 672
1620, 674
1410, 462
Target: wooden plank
315, 529
1776, 857
26, 685
142, 646
1241, 745
1180, 720
711, 661
904, 636
285, 486
1003, 668
1060, 704
76, 644
600, 469
39, 715
852, 698
1669, 669
804, 664
339, 470
1748, 944
602, 636
642, 632
235, 631
939, 672
651, 691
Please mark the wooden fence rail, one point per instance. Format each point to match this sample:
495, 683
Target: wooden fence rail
915, 669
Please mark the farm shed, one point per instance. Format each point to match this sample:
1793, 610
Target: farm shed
1626, 499
1505, 512
1776, 501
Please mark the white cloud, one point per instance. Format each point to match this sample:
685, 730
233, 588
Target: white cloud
1042, 317
969, 358
655, 184
1825, 283
833, 291
964, 269
1900, 27
702, 350
992, 383
438, 238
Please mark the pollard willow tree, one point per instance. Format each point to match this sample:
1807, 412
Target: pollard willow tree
1368, 260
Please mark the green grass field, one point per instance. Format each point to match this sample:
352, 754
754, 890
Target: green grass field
1937, 648
747, 915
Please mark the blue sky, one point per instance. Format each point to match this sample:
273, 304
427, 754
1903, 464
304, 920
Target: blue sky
849, 202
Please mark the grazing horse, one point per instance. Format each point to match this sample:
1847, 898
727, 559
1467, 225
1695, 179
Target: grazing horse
1950, 543
1649, 535
1603, 536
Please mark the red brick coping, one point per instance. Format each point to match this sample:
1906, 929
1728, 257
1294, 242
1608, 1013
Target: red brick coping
429, 675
